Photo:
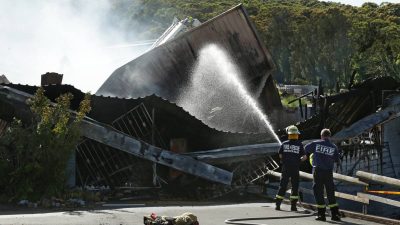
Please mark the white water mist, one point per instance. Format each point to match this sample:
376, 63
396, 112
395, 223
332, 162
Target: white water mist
216, 93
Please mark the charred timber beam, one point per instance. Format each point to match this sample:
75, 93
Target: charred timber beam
109, 136
353, 75
346, 95
298, 98
237, 153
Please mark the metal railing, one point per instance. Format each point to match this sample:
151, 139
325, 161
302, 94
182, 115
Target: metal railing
363, 179
392, 182
138, 123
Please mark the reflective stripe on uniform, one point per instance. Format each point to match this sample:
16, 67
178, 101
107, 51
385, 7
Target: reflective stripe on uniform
294, 197
333, 205
321, 206
279, 197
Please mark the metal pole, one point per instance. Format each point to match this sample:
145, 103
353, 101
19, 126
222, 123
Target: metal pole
378, 179
365, 209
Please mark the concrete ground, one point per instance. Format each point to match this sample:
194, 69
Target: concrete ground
207, 215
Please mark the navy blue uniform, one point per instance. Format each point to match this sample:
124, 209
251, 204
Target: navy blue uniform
292, 151
325, 154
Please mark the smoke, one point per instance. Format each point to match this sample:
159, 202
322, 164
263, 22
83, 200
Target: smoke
80, 39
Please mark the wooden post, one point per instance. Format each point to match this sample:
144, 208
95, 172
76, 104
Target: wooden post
301, 108
305, 111
177, 145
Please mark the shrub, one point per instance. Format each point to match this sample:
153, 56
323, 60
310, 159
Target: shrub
33, 157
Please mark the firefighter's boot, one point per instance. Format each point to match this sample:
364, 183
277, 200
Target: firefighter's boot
321, 214
278, 202
294, 205
335, 214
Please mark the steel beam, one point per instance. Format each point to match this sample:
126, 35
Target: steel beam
378, 178
336, 176
109, 136
236, 154
379, 199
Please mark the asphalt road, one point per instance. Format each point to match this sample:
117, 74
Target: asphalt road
207, 215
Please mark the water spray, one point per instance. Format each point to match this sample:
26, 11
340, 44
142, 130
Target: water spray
216, 83
229, 71
133, 44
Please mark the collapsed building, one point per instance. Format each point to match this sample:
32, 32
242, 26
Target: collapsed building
358, 119
197, 71
99, 164
138, 114
172, 118
365, 123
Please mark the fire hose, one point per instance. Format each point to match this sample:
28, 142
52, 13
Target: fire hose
239, 221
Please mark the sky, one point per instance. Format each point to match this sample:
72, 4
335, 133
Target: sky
71, 37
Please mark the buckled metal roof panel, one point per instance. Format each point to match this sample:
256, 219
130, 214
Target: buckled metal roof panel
167, 69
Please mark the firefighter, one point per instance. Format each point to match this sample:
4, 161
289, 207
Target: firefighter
290, 154
324, 155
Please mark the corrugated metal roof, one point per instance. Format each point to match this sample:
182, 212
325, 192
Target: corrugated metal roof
172, 120
166, 70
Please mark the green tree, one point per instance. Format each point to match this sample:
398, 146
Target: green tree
33, 157
308, 39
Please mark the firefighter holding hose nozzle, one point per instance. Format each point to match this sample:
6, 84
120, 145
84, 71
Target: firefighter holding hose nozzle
291, 152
